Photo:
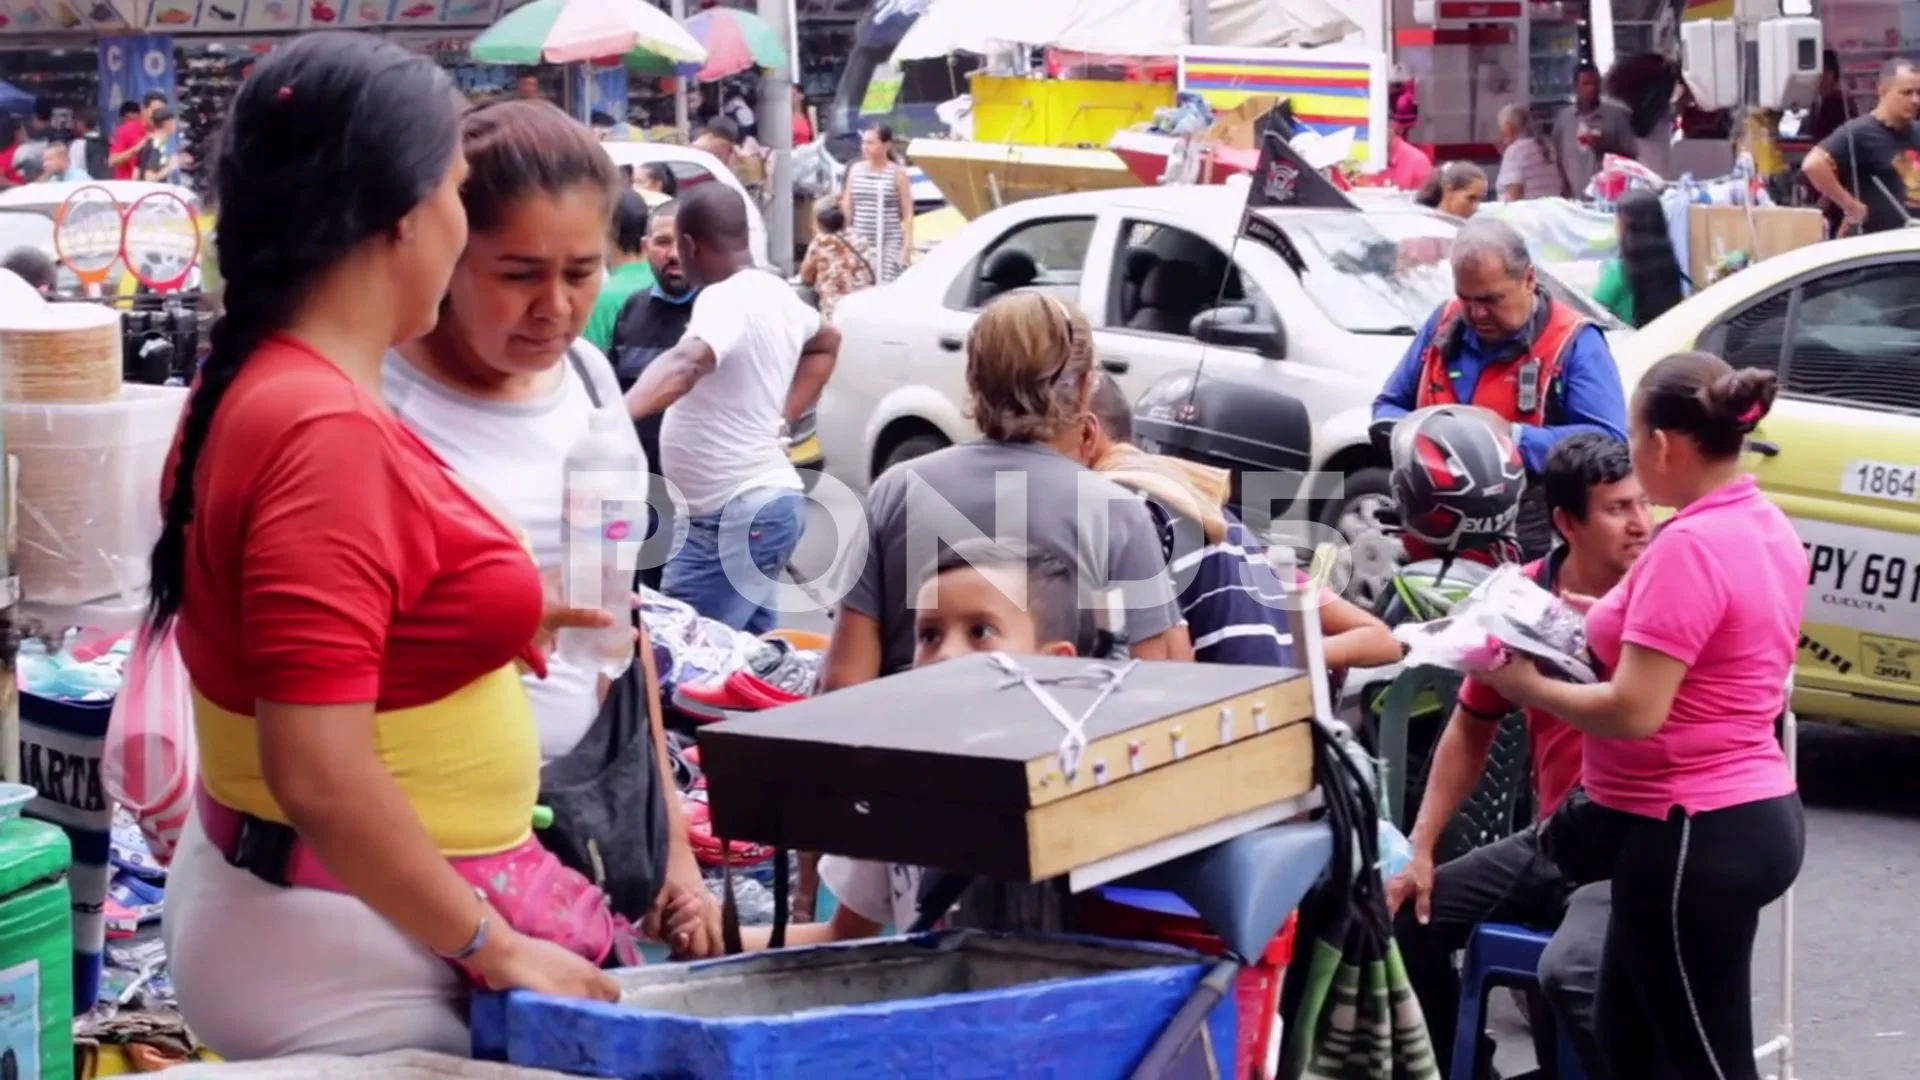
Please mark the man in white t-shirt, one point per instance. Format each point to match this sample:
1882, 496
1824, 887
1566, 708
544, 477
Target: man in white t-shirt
754, 359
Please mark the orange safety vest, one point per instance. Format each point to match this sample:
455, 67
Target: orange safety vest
1516, 387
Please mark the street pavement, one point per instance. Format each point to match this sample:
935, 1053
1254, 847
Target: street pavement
1857, 935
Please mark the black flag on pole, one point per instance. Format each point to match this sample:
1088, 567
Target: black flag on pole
1282, 178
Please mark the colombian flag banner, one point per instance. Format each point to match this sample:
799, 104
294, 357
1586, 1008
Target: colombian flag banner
1330, 91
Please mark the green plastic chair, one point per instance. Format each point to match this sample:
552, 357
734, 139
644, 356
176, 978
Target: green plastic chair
1423, 698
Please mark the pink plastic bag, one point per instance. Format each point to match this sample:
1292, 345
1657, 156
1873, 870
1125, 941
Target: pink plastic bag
149, 765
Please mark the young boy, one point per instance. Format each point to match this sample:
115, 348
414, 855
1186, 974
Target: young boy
981, 597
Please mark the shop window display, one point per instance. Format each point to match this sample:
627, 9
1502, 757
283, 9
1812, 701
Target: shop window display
209, 75
69, 78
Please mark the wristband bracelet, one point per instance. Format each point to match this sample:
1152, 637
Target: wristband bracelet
480, 935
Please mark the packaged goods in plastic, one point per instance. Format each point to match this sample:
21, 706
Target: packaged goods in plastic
88, 491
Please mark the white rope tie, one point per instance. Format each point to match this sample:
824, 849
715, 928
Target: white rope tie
1073, 745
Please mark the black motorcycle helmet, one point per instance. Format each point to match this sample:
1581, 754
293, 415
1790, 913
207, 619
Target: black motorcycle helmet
1457, 479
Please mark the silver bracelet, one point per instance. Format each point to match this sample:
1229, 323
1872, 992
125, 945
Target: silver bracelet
480, 934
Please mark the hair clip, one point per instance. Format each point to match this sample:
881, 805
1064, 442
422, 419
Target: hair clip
1752, 415
284, 93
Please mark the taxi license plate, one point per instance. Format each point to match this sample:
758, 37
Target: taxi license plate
1866, 579
1881, 480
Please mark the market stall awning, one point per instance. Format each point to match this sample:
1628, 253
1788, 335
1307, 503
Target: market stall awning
1118, 27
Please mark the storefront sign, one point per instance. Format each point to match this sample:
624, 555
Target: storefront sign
470, 12
416, 12
23, 17
271, 15
171, 14
131, 66
62, 16
359, 13
108, 14
1330, 94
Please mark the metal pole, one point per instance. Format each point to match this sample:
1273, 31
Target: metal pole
9, 628
776, 132
1201, 18
679, 12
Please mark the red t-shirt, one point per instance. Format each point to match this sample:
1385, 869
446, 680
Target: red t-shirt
7, 170
332, 559
126, 137
1556, 743
802, 129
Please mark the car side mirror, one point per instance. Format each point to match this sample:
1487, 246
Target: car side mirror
1236, 327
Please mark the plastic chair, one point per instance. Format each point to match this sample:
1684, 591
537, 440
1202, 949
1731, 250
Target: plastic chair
1501, 954
1501, 804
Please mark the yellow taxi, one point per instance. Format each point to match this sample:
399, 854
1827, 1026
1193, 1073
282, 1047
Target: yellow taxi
1840, 453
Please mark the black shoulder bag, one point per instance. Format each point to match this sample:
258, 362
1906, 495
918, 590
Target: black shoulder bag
609, 807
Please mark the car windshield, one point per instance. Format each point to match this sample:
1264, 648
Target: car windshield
1385, 272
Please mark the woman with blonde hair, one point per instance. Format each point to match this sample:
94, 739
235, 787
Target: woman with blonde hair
1030, 381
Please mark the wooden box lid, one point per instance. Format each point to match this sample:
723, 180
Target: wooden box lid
960, 765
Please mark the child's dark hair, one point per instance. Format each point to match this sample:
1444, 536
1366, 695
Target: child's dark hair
830, 218
1053, 598
34, 266
1577, 465
516, 147
1699, 395
722, 128
293, 205
629, 231
1647, 256
662, 175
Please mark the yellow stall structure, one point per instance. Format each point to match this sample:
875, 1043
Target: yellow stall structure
1080, 113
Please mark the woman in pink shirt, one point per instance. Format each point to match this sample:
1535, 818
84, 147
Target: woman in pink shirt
1694, 812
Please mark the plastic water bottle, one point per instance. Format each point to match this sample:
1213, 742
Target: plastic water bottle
604, 512
1395, 850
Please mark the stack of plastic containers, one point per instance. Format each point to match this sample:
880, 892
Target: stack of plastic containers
89, 453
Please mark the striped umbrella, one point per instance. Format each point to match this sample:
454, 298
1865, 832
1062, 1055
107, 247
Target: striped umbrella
735, 41
572, 31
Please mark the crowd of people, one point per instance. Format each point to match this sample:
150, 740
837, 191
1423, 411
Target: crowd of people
366, 527
144, 145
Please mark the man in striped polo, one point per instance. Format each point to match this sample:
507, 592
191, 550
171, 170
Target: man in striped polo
1234, 603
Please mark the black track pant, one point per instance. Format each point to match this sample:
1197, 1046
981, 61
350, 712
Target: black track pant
1676, 977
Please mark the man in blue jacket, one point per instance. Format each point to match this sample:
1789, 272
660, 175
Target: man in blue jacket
1503, 344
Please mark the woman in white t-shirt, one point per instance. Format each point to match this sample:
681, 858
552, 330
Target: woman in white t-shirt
502, 388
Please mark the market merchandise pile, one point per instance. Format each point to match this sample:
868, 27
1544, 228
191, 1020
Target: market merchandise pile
81, 668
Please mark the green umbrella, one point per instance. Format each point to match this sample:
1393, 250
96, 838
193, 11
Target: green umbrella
572, 31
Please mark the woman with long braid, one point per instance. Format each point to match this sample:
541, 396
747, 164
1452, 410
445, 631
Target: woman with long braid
353, 618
